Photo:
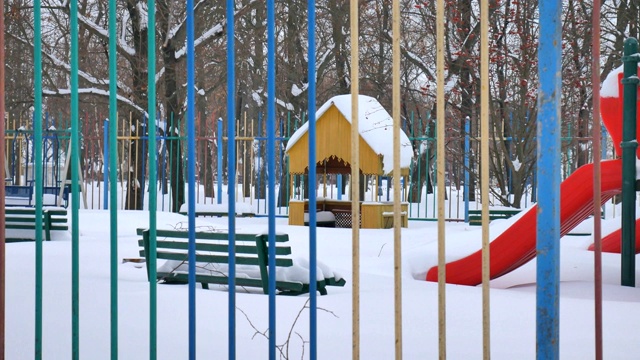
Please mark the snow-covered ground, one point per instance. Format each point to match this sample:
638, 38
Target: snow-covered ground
513, 298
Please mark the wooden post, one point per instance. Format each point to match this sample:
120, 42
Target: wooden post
355, 180
397, 222
484, 153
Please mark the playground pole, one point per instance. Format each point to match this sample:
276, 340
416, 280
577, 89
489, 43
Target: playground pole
629, 146
549, 147
113, 174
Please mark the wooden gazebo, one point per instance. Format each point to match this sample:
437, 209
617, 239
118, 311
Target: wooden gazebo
333, 152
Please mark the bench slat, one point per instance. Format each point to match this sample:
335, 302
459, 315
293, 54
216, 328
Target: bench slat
223, 280
222, 248
180, 234
218, 259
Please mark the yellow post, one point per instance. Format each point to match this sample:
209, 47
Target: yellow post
129, 157
251, 190
397, 223
355, 179
484, 153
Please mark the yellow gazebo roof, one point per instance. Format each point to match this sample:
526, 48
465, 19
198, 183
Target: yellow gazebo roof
333, 139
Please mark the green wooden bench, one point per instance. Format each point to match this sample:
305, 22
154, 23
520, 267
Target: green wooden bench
212, 247
475, 216
25, 219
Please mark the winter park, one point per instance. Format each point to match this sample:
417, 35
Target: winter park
319, 180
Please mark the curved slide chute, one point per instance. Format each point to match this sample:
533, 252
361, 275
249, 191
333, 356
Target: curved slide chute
612, 243
517, 245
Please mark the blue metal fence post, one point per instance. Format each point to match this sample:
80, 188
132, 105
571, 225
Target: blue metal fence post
549, 177
339, 185
191, 174
231, 173
271, 161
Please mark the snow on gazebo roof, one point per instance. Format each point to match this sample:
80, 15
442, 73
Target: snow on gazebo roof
375, 125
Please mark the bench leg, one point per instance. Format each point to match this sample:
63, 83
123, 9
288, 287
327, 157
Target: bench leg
47, 226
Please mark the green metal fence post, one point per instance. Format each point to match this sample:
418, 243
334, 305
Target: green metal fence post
37, 119
629, 146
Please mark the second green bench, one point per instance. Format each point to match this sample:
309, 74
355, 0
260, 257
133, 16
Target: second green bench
25, 219
475, 216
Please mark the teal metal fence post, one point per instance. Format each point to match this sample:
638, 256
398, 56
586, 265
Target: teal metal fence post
113, 176
75, 186
629, 146
37, 123
153, 175
311, 69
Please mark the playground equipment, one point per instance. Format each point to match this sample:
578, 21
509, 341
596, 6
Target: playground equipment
576, 204
334, 121
612, 243
517, 245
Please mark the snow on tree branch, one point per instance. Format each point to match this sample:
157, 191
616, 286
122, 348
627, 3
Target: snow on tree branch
214, 31
92, 91
103, 33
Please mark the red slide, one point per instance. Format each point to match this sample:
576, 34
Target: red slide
517, 244
612, 243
